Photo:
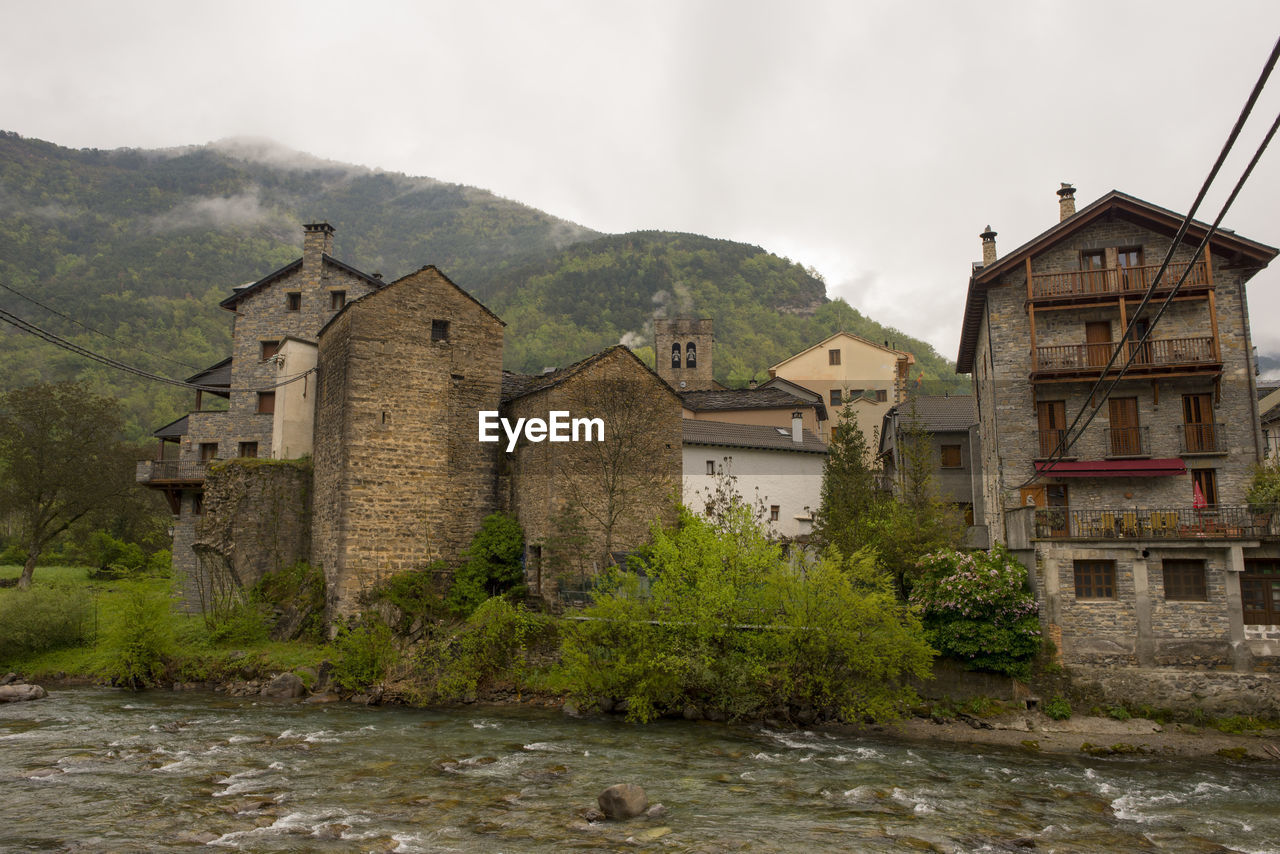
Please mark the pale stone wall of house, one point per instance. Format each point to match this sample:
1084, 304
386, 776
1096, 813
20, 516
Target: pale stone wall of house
402, 479
788, 479
616, 489
293, 424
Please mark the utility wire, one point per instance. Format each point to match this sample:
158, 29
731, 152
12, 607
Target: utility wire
1066, 441
27, 326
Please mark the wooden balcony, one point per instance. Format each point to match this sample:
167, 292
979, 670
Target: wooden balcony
1155, 357
162, 473
1183, 523
1116, 282
1201, 439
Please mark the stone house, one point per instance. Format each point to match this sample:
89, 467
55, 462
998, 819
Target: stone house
777, 470
385, 387
949, 424
1134, 524
852, 373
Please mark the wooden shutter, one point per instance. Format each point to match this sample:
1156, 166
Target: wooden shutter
1126, 441
1097, 336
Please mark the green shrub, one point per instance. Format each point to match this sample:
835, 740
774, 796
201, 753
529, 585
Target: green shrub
13, 555
42, 618
112, 558
1264, 490
730, 626
364, 653
493, 644
139, 639
295, 596
1119, 713
1058, 709
242, 622
492, 566
160, 564
977, 608
414, 596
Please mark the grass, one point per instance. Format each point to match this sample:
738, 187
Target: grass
192, 654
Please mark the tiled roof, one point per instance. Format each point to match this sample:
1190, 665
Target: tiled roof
742, 398
240, 293
173, 430
518, 385
749, 436
214, 375
939, 413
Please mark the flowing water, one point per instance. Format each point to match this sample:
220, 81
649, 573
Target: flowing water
103, 770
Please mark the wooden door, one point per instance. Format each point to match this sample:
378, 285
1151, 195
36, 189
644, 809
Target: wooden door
1097, 336
1094, 266
1126, 440
1051, 416
1131, 273
1197, 422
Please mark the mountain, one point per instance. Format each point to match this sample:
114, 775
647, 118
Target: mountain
128, 253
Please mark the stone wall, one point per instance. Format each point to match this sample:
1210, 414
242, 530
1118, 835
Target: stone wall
1216, 693
615, 489
256, 520
683, 331
402, 479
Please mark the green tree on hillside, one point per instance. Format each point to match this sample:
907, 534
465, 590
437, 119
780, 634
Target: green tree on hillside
61, 458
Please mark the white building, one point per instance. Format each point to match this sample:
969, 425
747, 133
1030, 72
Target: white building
776, 468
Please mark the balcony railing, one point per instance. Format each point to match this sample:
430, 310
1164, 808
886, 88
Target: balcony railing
1184, 523
1128, 442
1168, 352
1202, 439
1114, 281
170, 471
1049, 441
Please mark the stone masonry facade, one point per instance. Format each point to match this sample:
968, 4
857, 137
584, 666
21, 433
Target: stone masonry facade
1199, 351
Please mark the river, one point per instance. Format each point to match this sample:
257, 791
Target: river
91, 770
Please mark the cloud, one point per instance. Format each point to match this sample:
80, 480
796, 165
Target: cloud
218, 212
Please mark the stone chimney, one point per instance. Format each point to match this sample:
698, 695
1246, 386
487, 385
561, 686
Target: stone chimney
797, 427
317, 240
1066, 202
988, 247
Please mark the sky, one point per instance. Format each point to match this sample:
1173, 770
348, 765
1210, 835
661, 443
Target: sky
872, 142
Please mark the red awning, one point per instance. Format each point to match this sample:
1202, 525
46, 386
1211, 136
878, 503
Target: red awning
1113, 468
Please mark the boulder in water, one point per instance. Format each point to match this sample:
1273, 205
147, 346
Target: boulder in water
623, 801
286, 686
18, 693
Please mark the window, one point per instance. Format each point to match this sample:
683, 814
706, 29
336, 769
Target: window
833, 357
1052, 418
266, 402
882, 395
711, 466
248, 449
1095, 579
836, 400
1126, 435
1132, 276
1184, 581
966, 511
1097, 343
337, 299
1207, 480
293, 301
951, 456
208, 451
675, 356
439, 330
1093, 264
691, 355
269, 349
774, 512
1260, 592
1197, 423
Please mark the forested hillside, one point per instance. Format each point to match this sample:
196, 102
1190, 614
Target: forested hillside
142, 245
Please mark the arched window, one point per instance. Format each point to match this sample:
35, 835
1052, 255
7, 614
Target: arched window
675, 356
691, 355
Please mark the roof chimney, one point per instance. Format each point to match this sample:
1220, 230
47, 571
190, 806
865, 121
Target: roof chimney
988, 247
1066, 201
317, 240
797, 427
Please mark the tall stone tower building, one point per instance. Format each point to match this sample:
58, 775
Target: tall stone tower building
682, 351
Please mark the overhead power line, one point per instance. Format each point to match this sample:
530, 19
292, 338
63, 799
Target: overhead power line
58, 341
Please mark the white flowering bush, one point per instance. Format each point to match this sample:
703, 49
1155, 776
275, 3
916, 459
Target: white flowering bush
976, 607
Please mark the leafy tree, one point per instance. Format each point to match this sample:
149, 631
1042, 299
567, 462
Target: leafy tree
493, 564
61, 458
977, 607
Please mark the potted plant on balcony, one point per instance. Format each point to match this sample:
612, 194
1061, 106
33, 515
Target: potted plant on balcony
1264, 493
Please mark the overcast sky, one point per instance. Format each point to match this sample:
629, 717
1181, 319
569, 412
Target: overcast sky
872, 141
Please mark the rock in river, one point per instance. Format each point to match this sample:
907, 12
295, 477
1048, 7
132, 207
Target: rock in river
622, 801
17, 693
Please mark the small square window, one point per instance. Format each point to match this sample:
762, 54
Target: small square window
269, 349
711, 466
248, 449
882, 396
833, 357
836, 399
293, 301
208, 451
951, 456
439, 330
337, 299
266, 402
1095, 579
774, 512
1184, 581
